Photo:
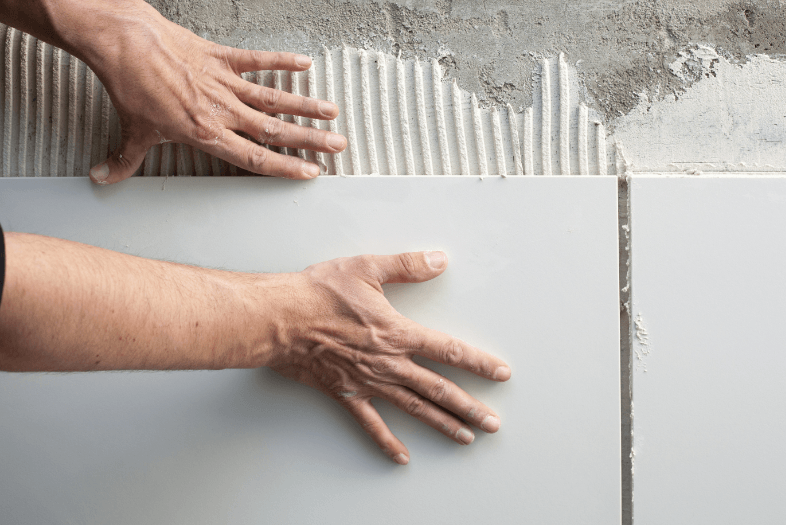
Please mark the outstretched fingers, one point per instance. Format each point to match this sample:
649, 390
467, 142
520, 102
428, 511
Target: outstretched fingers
443, 348
445, 393
276, 101
257, 159
368, 417
409, 267
270, 130
243, 60
428, 412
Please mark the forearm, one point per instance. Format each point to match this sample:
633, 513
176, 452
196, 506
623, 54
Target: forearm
69, 306
88, 29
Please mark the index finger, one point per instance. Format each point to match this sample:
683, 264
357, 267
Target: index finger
243, 60
443, 348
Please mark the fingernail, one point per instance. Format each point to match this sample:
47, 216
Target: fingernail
465, 435
436, 260
490, 424
310, 170
501, 374
401, 459
100, 173
336, 141
303, 61
327, 109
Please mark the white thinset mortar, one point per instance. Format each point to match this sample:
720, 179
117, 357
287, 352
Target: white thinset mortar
399, 116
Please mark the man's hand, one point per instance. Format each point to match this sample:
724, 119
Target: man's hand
342, 337
168, 84
72, 307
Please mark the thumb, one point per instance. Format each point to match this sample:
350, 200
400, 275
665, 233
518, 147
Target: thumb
121, 164
411, 267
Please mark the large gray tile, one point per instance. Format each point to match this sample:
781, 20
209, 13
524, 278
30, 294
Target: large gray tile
533, 278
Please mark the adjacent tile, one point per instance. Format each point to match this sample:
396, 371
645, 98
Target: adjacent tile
709, 296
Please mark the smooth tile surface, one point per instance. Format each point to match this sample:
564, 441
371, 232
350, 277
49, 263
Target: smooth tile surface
532, 277
709, 296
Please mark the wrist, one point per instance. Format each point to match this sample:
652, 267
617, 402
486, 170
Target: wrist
259, 323
96, 31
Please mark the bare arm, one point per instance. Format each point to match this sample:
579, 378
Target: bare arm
69, 306
168, 84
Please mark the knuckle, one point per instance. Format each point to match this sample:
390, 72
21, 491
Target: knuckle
364, 264
270, 98
256, 56
400, 336
409, 265
271, 131
310, 138
452, 353
415, 407
308, 105
203, 132
258, 158
385, 366
440, 391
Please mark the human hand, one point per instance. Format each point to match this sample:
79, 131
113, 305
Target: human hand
168, 84
340, 335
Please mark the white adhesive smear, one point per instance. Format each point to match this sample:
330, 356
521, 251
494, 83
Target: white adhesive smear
399, 117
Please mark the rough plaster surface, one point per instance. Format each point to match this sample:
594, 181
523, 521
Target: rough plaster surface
401, 117
731, 120
621, 48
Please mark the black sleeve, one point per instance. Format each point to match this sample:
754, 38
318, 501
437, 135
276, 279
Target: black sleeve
2, 262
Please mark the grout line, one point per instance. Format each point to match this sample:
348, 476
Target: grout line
384, 102
422, 123
40, 87
564, 117
73, 71
87, 143
583, 154
404, 117
149, 163
458, 118
368, 121
477, 124
600, 138
24, 95
545, 113
166, 159
626, 328
439, 108
106, 105
499, 153
215, 166
9, 99
514, 139
201, 164
57, 105
529, 161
